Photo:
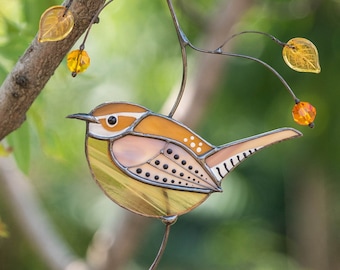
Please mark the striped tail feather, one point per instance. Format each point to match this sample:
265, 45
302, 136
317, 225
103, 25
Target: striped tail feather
225, 158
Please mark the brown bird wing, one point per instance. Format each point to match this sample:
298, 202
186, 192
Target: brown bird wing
163, 163
162, 126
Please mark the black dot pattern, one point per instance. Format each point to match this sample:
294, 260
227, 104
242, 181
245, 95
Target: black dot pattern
174, 167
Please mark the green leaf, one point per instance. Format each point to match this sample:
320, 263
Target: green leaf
19, 141
3, 230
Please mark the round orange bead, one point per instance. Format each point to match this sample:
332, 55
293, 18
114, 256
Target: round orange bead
78, 61
304, 114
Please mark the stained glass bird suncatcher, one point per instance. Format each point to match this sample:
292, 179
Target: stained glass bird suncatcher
155, 166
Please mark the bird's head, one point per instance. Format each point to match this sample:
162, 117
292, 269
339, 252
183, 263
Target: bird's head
110, 119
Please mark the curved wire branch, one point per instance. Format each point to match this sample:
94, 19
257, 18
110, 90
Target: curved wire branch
162, 248
168, 221
220, 51
254, 32
94, 20
184, 41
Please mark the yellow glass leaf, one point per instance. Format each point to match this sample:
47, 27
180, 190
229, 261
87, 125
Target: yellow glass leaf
3, 230
301, 55
4, 151
55, 24
78, 61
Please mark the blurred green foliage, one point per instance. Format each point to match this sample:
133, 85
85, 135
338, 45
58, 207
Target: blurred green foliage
135, 57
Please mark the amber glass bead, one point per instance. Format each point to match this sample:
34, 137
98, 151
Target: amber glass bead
304, 113
78, 61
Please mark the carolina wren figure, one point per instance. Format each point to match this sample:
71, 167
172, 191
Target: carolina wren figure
155, 166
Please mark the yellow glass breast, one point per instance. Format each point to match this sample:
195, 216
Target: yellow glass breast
138, 197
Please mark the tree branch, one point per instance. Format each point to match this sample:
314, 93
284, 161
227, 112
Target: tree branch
36, 66
33, 220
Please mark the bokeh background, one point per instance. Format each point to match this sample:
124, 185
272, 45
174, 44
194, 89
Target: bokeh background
279, 209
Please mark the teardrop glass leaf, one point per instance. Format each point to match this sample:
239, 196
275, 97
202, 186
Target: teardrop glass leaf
300, 54
55, 24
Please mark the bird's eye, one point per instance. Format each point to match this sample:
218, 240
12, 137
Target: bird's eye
112, 120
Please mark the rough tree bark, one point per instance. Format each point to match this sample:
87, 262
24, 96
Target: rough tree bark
36, 66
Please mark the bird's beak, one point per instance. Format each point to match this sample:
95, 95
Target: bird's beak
85, 117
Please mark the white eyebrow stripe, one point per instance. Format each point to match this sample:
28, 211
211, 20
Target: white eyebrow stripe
128, 114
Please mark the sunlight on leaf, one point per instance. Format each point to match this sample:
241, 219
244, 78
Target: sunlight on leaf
3, 230
5, 151
78, 61
301, 55
55, 24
